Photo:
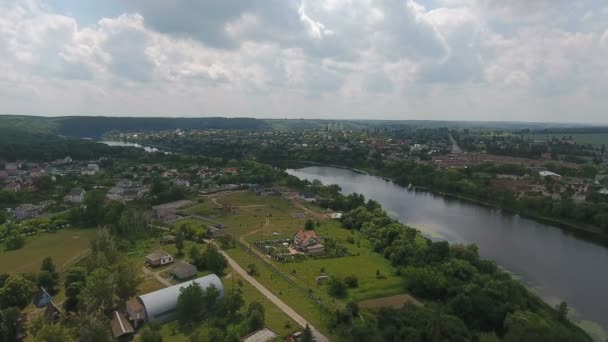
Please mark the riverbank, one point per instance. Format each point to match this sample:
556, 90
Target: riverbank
589, 233
559, 266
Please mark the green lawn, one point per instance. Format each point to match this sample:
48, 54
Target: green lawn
62, 246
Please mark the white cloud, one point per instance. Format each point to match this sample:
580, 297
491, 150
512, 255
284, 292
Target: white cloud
461, 59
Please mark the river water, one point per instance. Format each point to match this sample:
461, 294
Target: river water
557, 265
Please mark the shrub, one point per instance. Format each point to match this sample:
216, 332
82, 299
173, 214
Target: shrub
351, 281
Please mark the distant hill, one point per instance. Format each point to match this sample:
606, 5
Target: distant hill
94, 127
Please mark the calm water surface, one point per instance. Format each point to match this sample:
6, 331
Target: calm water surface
558, 265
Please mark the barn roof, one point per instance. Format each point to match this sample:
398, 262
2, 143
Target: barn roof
161, 305
183, 270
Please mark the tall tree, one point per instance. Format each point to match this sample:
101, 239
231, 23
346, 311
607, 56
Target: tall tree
17, 291
98, 292
127, 280
53, 333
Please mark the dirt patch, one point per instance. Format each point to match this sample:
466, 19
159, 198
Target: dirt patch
394, 302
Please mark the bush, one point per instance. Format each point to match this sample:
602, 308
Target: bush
351, 281
337, 288
14, 242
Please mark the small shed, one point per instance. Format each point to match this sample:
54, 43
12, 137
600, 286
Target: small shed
169, 239
262, 335
120, 325
183, 270
136, 311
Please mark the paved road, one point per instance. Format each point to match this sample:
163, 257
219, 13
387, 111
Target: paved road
455, 147
274, 299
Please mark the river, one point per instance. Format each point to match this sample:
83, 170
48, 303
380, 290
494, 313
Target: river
556, 265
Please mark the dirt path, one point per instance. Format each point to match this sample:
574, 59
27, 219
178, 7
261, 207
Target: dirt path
301, 206
156, 275
274, 299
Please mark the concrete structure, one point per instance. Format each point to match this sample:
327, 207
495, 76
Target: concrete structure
160, 306
262, 335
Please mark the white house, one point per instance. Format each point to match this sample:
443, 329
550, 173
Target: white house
91, 170
76, 195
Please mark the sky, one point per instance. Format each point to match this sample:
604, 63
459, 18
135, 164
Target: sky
490, 60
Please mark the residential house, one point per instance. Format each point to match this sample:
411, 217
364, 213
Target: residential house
308, 242
37, 172
115, 194
76, 195
159, 258
165, 215
13, 186
603, 191
230, 170
26, 211
90, 170
182, 182
12, 166
183, 270
307, 196
3, 174
132, 194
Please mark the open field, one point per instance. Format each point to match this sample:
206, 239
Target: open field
62, 246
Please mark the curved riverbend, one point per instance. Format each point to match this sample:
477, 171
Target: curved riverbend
558, 265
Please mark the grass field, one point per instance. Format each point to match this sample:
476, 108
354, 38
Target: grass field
62, 246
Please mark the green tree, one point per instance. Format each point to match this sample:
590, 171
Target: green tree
190, 304
10, 324
337, 287
17, 291
148, 334
307, 335
351, 281
255, 316
53, 333
127, 280
43, 183
98, 292
179, 243
93, 327
212, 260
48, 277
94, 207
309, 225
